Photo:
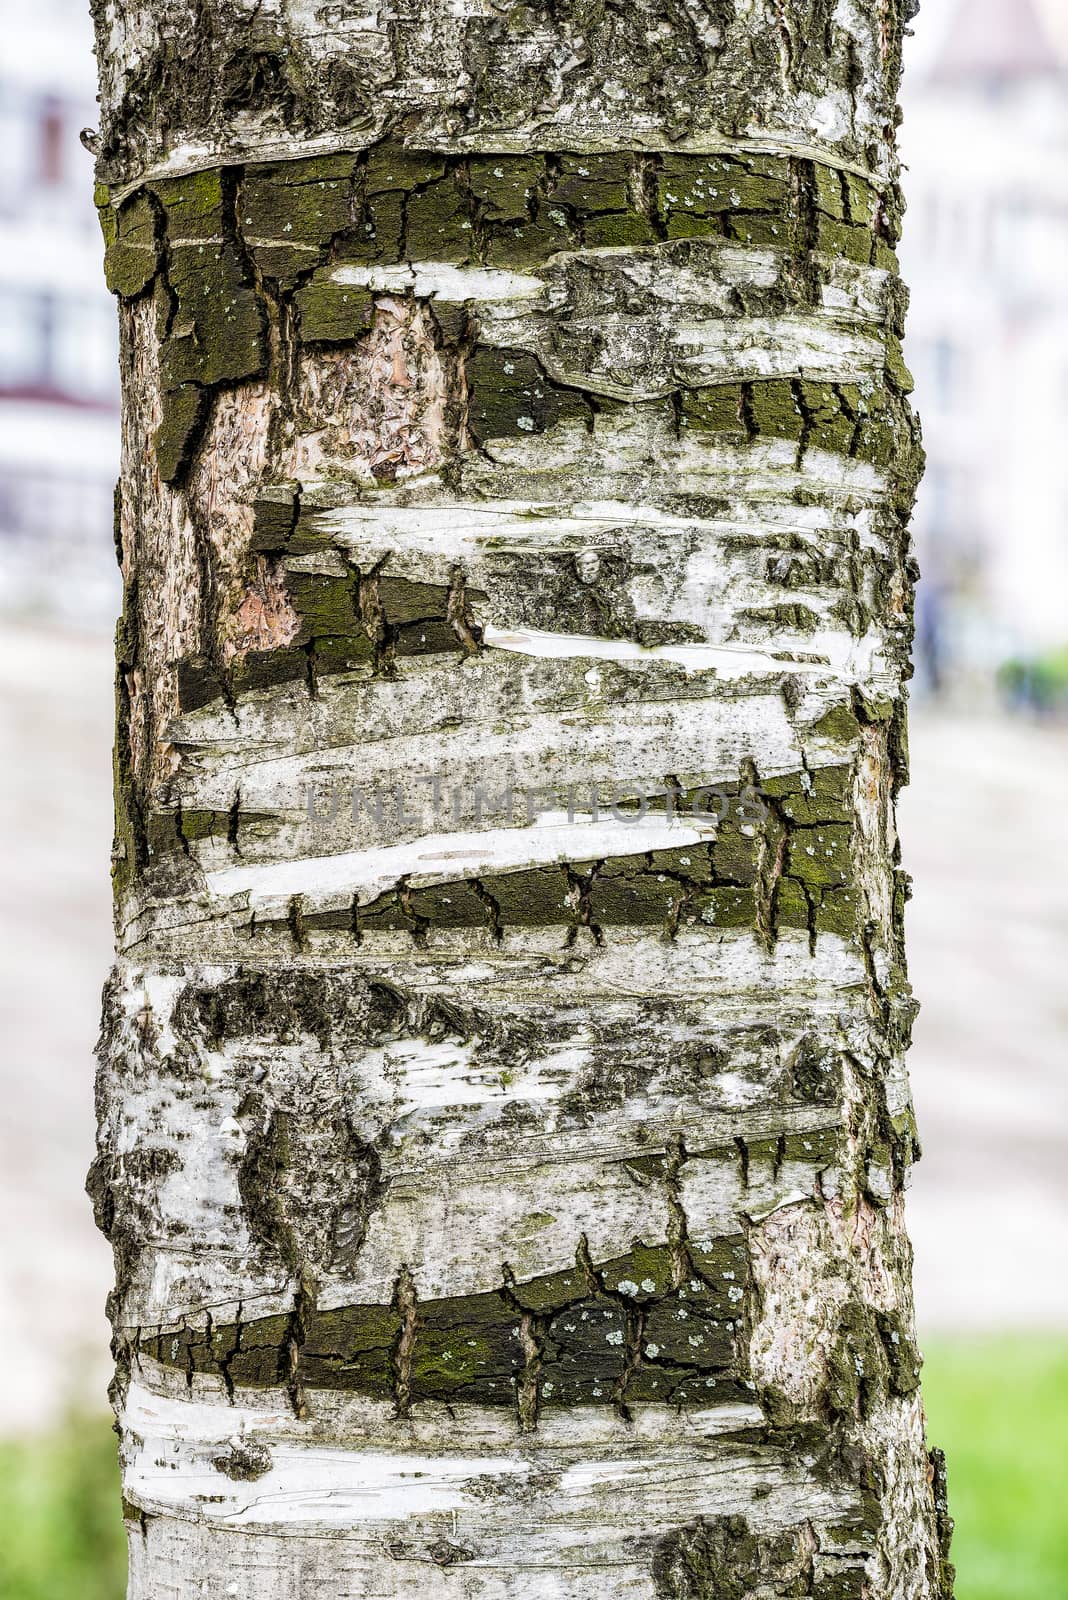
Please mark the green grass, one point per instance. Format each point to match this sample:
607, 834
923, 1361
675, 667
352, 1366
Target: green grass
999, 1410
62, 1535
997, 1407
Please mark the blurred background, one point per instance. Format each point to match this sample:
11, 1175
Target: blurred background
985, 140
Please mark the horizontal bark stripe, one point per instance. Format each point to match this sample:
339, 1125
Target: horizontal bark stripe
656, 1324
792, 586
633, 879
395, 206
254, 1468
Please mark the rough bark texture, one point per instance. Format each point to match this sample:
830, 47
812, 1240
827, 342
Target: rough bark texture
505, 1185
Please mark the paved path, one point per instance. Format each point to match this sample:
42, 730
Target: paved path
989, 942
984, 837
55, 932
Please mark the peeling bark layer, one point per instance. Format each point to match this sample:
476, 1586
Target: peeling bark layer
503, 1118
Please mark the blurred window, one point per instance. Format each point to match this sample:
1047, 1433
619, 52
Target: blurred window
68, 510
944, 365
51, 142
1032, 247
85, 362
9, 506
59, 344
13, 143
39, 156
938, 372
24, 339
943, 498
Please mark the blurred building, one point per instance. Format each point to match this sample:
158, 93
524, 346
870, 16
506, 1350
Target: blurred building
985, 140
58, 364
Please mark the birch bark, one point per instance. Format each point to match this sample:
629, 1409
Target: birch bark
503, 1121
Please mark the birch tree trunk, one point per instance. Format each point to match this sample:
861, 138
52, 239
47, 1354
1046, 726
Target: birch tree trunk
503, 1121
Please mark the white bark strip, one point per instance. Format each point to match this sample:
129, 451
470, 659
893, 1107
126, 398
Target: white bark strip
725, 661
442, 858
